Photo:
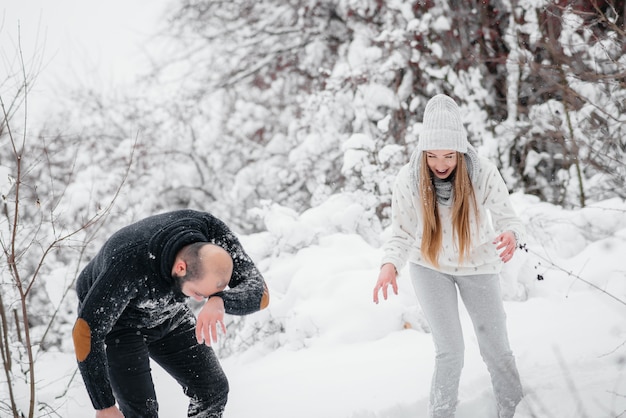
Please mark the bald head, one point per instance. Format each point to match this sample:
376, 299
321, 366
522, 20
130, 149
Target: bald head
202, 269
216, 262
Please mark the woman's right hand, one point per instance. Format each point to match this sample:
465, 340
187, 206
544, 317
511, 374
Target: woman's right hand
386, 277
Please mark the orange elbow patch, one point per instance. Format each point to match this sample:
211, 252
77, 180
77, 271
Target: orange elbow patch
265, 299
82, 339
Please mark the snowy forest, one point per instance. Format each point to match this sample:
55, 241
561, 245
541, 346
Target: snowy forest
289, 120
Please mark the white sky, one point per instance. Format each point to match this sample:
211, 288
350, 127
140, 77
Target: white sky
78, 42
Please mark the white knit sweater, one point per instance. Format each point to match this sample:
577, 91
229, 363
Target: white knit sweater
496, 216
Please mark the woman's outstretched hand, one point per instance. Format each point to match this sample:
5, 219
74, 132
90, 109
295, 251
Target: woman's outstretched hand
386, 277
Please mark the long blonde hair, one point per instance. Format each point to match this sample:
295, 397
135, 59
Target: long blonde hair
463, 203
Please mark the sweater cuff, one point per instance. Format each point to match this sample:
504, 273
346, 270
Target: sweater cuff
397, 263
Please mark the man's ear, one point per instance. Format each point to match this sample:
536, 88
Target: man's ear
180, 268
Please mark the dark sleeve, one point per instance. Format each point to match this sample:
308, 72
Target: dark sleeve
100, 306
247, 291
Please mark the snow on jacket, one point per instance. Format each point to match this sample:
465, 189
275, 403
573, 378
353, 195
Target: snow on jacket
129, 283
496, 215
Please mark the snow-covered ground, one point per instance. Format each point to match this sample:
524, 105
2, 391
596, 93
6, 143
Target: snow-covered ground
341, 356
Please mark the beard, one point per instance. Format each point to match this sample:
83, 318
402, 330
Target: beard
177, 283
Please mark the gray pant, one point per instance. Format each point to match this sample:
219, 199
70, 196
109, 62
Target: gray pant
481, 294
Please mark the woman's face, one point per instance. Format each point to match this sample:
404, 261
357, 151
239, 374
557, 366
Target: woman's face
441, 162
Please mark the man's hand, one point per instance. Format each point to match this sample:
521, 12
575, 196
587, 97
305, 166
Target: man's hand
386, 277
211, 314
111, 412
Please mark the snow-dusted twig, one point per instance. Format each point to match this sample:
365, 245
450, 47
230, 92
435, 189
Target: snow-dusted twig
524, 247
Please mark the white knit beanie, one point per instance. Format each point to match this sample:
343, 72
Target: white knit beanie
442, 128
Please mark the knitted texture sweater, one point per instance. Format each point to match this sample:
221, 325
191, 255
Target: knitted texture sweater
496, 215
129, 283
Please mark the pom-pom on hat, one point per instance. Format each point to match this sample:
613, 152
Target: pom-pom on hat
442, 128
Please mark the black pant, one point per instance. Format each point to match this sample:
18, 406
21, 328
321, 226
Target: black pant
174, 347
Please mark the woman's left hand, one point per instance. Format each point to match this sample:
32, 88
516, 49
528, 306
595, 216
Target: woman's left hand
506, 244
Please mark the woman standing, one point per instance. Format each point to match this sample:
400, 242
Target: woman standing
453, 221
